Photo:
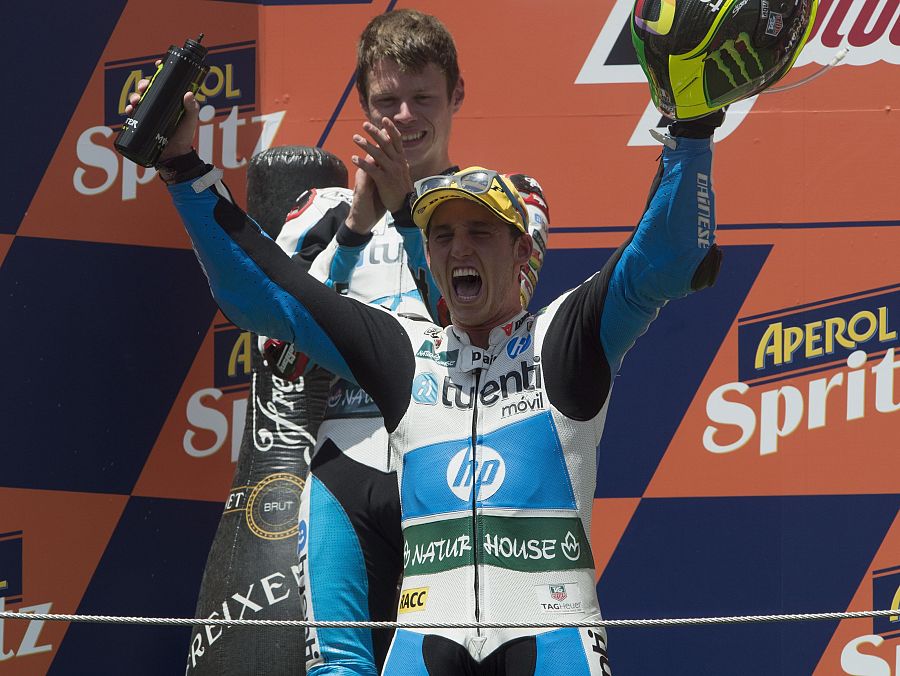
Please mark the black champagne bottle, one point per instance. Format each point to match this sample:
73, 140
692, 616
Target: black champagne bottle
147, 131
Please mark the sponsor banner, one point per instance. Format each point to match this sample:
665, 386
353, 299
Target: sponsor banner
529, 544
829, 332
870, 646
78, 524
230, 82
804, 382
89, 191
194, 455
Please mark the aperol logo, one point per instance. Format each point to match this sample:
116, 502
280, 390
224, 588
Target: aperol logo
821, 333
231, 80
222, 409
227, 102
854, 338
232, 356
869, 30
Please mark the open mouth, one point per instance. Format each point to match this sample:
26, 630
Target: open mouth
466, 284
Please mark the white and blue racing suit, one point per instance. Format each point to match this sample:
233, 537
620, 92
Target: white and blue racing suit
494, 447
350, 546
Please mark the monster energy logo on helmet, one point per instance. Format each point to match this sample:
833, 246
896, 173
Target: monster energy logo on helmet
737, 68
700, 55
730, 48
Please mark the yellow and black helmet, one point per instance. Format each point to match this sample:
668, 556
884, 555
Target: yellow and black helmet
701, 55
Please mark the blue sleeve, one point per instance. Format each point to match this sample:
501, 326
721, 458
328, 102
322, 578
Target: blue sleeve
671, 253
672, 239
259, 288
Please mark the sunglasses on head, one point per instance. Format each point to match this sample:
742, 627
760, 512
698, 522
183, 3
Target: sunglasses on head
476, 181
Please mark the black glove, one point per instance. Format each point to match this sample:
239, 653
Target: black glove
701, 127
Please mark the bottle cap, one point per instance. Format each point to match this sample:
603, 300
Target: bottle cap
195, 49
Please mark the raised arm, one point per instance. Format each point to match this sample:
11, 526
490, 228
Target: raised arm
261, 289
671, 253
662, 260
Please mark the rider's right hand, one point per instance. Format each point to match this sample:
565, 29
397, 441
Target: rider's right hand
182, 140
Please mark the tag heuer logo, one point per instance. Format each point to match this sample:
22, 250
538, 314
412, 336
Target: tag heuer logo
558, 592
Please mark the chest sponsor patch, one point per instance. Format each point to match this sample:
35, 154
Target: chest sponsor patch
518, 345
429, 350
486, 472
425, 389
526, 544
442, 478
413, 600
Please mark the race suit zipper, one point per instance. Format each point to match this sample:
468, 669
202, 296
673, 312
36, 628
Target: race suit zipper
475, 494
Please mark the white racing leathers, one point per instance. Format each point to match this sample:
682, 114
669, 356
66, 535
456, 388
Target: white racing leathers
351, 543
495, 448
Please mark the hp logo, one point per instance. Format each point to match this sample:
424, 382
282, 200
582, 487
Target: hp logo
518, 345
488, 473
425, 389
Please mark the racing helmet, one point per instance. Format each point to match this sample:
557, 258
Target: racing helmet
701, 55
532, 194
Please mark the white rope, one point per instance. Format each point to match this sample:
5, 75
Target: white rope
321, 624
